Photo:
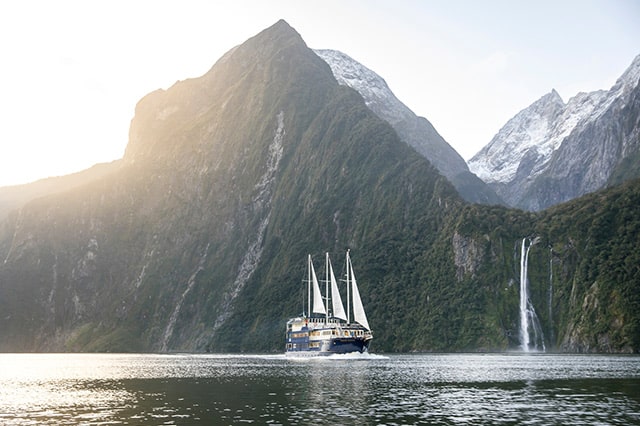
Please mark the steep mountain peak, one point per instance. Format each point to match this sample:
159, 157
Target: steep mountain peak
553, 96
523, 135
275, 57
284, 25
415, 131
228, 178
278, 32
629, 79
548, 102
575, 145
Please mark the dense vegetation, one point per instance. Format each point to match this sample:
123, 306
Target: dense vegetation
198, 241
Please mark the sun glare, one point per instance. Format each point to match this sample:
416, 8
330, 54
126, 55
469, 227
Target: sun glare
73, 72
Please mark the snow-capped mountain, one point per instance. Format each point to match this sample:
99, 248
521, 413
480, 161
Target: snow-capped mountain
554, 151
526, 134
416, 131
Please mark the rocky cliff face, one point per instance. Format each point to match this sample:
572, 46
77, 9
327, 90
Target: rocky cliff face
198, 241
553, 152
176, 234
416, 131
592, 153
227, 179
524, 143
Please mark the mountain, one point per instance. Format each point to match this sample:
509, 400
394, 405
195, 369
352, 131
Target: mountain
552, 152
416, 131
198, 241
227, 182
13, 197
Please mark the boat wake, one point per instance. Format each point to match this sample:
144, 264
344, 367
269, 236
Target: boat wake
357, 355
366, 356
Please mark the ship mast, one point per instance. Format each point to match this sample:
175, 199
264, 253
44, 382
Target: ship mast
348, 290
308, 287
326, 287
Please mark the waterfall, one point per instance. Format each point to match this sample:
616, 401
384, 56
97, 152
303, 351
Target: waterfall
529, 322
261, 205
550, 300
168, 332
524, 317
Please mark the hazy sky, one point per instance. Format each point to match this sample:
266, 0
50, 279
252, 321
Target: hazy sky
72, 71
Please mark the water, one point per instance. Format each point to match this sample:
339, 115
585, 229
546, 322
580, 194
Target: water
447, 389
528, 318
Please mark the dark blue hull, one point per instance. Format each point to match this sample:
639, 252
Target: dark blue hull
344, 346
306, 342
330, 347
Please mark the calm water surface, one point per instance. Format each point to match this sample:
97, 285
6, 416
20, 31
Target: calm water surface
451, 389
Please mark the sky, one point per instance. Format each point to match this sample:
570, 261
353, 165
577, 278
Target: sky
72, 71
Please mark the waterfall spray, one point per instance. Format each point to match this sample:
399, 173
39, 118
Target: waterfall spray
528, 319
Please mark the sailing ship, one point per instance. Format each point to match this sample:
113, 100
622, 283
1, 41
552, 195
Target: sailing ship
324, 331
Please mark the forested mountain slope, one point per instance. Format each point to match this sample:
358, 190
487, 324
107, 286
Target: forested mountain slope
198, 242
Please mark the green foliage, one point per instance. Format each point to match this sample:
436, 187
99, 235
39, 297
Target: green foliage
597, 259
193, 245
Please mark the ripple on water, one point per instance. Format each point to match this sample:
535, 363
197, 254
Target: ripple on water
409, 389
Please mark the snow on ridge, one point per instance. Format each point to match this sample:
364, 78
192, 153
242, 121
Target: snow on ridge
415, 131
629, 79
523, 147
527, 132
373, 88
534, 132
350, 72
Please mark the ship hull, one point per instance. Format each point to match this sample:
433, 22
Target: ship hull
309, 337
330, 347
